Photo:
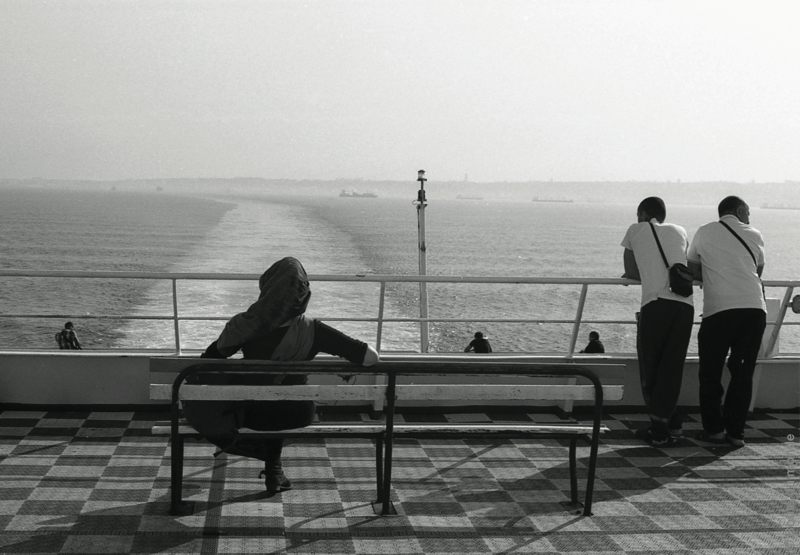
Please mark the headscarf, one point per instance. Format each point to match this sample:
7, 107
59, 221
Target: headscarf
285, 293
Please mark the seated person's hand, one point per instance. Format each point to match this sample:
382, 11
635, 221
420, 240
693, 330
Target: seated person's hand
212, 352
371, 357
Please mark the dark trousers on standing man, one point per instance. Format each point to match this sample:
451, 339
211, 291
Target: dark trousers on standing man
665, 327
739, 330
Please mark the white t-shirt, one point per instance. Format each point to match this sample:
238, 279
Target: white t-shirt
730, 279
654, 274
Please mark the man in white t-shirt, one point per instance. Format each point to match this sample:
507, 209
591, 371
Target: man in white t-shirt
665, 322
728, 257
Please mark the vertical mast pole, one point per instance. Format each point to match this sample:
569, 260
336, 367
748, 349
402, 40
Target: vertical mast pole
421, 203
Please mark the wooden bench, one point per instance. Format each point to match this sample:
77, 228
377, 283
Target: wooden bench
396, 382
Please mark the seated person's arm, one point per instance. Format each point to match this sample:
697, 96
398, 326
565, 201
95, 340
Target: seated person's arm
332, 341
631, 268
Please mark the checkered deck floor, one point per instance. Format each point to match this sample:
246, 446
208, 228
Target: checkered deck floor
93, 482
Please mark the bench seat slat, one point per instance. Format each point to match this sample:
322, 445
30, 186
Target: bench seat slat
347, 428
494, 428
328, 429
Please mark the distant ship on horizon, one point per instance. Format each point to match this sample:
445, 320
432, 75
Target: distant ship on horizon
355, 194
537, 199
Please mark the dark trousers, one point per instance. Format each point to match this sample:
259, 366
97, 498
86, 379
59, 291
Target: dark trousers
739, 331
665, 327
270, 416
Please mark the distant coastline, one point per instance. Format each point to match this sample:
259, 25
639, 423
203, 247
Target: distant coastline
786, 193
779, 207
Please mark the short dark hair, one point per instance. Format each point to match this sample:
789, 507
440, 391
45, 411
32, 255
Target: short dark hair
655, 207
478, 335
594, 335
730, 205
68, 325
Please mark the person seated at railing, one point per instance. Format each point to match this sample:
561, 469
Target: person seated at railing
480, 344
67, 339
273, 328
594, 345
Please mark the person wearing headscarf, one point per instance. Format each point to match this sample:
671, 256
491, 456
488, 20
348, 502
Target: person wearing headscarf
275, 327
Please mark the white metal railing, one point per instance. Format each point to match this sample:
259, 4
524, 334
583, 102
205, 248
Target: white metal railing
382, 280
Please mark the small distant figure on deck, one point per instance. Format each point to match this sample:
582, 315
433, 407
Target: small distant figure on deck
480, 344
67, 339
595, 345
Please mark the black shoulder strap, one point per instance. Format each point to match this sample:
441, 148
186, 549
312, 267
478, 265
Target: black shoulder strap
741, 241
664, 256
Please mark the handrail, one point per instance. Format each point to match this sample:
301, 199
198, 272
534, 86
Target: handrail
382, 280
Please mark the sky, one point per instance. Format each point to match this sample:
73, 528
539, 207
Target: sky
480, 90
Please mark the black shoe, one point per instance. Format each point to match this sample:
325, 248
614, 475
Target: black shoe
646, 435
276, 483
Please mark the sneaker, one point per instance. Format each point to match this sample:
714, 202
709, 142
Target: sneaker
276, 482
677, 432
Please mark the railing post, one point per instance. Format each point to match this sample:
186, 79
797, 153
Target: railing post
779, 318
574, 340
578, 317
380, 379
381, 305
775, 313
175, 317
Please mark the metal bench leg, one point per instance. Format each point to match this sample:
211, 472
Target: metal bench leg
573, 505
573, 469
385, 497
386, 493
379, 466
177, 505
587, 510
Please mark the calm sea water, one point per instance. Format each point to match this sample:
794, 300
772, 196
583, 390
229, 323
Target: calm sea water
52, 230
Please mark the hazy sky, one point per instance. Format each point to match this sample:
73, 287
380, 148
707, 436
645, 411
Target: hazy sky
498, 90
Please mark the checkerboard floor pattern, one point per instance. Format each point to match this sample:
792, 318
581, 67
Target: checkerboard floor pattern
98, 482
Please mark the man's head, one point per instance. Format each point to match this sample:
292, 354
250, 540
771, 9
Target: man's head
68, 326
594, 336
735, 206
651, 207
478, 335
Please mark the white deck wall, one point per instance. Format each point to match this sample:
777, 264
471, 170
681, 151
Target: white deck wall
85, 378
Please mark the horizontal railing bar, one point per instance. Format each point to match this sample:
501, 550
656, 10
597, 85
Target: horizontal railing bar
369, 278
373, 278
344, 319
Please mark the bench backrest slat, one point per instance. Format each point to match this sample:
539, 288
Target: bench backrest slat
270, 393
426, 392
474, 392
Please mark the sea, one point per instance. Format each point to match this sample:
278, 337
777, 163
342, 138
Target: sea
245, 232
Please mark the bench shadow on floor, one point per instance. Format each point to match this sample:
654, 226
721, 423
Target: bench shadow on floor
86, 482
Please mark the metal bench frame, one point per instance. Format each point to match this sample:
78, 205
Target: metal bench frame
385, 433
